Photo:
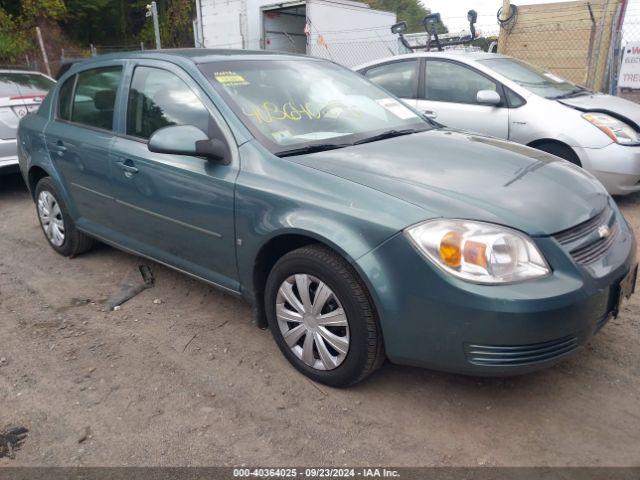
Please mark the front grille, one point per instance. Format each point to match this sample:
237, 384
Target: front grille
515, 355
584, 242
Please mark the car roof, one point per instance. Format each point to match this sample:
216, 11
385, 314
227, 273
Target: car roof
196, 55
462, 55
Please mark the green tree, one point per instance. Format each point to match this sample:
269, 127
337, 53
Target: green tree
13, 41
410, 11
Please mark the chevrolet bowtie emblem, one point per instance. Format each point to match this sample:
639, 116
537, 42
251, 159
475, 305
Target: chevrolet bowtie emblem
604, 231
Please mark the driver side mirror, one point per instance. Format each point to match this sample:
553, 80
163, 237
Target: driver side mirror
188, 140
488, 97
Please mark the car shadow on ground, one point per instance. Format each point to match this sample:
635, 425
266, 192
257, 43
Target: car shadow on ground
12, 184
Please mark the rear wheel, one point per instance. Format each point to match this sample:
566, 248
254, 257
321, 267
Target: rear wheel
57, 226
322, 317
561, 151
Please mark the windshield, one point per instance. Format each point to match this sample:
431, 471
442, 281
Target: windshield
292, 104
23, 84
535, 80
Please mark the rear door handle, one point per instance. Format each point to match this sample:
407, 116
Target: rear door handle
59, 148
127, 167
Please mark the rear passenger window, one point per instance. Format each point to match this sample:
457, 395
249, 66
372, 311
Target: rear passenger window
94, 99
398, 77
64, 103
158, 99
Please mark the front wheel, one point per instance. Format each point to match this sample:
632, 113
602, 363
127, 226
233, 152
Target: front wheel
322, 317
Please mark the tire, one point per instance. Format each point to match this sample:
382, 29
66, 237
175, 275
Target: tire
333, 286
561, 151
72, 242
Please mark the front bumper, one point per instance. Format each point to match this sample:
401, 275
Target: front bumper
433, 320
616, 166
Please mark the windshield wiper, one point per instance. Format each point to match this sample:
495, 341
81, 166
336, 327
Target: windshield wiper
312, 149
388, 134
574, 93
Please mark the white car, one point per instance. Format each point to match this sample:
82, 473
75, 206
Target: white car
504, 97
21, 92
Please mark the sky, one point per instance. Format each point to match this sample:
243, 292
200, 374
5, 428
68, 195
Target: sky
454, 12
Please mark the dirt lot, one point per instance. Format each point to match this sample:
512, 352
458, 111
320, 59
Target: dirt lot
179, 376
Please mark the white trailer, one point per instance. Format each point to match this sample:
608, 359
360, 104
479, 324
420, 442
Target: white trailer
345, 31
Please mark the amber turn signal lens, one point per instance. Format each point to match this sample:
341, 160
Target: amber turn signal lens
450, 252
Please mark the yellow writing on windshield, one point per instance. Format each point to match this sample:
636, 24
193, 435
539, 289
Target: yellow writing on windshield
268, 112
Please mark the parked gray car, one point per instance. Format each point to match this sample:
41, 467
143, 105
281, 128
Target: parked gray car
506, 98
21, 92
358, 229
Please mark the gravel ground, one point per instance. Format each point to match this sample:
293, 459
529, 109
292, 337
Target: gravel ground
179, 376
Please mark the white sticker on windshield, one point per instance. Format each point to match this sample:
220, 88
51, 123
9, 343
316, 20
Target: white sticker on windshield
553, 78
397, 108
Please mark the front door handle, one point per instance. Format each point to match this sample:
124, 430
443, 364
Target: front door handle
127, 167
430, 114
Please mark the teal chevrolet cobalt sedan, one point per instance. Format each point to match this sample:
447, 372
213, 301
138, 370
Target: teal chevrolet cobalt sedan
359, 230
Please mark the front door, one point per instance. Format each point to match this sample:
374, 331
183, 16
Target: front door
79, 139
177, 209
449, 96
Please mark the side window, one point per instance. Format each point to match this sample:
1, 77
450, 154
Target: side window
452, 82
64, 102
159, 98
399, 77
513, 98
94, 99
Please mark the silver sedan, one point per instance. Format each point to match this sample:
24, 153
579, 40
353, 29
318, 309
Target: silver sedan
21, 92
504, 97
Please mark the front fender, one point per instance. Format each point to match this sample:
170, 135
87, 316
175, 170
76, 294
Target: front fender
277, 197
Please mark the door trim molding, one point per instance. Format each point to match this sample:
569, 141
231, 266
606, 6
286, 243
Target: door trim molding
169, 219
90, 190
131, 251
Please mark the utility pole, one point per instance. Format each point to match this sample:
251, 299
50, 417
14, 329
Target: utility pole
504, 16
506, 9
152, 11
44, 52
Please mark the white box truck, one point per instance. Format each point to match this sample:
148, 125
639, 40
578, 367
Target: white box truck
345, 31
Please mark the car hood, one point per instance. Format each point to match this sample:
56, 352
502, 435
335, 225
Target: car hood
605, 103
460, 175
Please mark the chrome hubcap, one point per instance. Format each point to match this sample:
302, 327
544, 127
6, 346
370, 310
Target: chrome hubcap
51, 218
312, 322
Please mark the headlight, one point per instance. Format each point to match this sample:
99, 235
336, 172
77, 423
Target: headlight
616, 130
479, 252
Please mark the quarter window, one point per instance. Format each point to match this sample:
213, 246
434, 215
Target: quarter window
64, 104
158, 99
94, 99
452, 82
398, 77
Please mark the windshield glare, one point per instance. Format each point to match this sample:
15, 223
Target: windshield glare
291, 104
537, 81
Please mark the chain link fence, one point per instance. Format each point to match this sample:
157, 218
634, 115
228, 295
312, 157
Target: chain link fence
582, 41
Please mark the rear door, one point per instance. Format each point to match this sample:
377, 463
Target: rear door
399, 77
79, 139
448, 95
176, 208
